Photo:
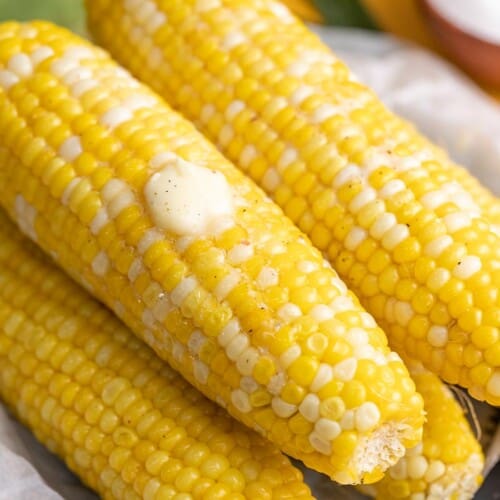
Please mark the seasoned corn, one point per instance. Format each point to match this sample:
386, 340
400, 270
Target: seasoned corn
142, 210
124, 421
413, 235
449, 460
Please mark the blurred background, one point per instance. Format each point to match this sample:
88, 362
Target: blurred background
69, 13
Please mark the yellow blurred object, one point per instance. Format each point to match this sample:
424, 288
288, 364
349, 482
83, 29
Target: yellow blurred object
305, 9
403, 18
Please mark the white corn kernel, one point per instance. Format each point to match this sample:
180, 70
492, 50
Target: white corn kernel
437, 336
267, 277
271, 180
391, 188
83, 86
288, 156
228, 333
241, 401
289, 311
434, 199
467, 267
282, 408
438, 278
306, 266
382, 224
240, 253
362, 199
182, 290
290, 355
403, 312
248, 384
77, 75
196, 341
416, 451
396, 235
493, 385
21, 65
115, 117
347, 420
226, 285
320, 444
327, 429
435, 470
234, 109
150, 237
71, 149
345, 370
40, 54
347, 174
300, 94
321, 312
200, 371
323, 112
248, 155
100, 264
246, 360
399, 471
357, 337
25, 214
456, 221
236, 347
417, 466
323, 376
7, 79
309, 408
354, 238
436, 247
367, 416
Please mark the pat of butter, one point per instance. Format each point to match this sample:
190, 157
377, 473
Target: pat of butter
186, 199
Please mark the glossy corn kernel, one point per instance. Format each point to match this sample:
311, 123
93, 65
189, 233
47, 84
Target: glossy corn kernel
142, 210
414, 236
124, 421
449, 460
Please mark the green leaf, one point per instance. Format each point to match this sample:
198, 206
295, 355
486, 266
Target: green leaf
68, 13
345, 13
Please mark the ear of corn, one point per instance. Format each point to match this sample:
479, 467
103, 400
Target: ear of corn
449, 460
413, 235
142, 210
124, 421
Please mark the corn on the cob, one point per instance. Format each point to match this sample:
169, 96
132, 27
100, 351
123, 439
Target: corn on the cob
124, 421
414, 236
447, 464
135, 204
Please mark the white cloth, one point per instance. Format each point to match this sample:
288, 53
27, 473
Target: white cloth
442, 103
